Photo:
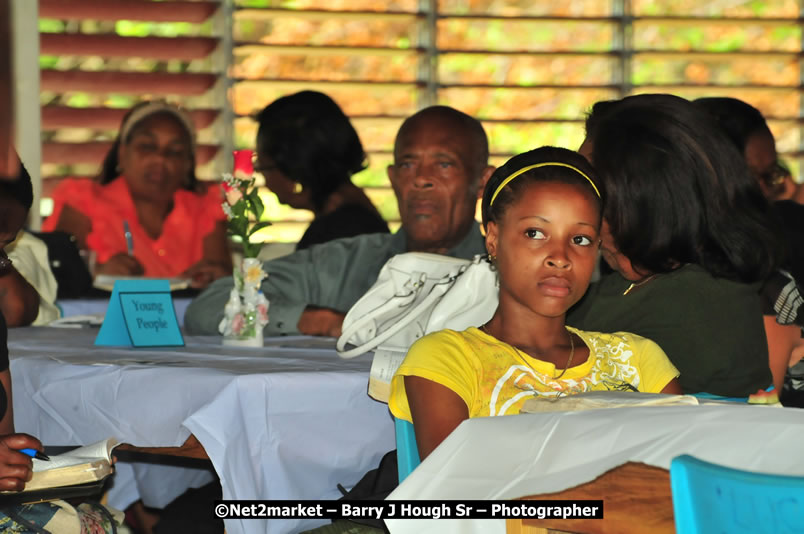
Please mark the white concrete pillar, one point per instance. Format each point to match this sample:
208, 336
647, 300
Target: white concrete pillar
25, 39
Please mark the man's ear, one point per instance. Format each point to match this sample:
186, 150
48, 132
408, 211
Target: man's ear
391, 170
491, 238
487, 172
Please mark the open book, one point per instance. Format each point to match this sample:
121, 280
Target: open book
106, 281
83, 465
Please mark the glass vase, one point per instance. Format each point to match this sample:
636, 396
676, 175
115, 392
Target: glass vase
246, 312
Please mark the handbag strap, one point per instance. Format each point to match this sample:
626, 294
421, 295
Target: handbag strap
436, 292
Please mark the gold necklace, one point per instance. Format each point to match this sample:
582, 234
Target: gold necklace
569, 360
635, 285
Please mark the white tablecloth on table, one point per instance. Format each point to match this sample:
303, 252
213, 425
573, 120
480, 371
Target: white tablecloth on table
288, 421
73, 307
530, 454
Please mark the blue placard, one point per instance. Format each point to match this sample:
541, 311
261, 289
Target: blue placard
140, 314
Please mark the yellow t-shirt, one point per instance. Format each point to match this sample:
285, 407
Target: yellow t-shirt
494, 378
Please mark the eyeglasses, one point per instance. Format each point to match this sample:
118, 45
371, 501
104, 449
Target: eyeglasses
775, 175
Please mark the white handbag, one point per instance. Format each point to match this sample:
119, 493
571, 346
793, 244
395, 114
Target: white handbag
417, 293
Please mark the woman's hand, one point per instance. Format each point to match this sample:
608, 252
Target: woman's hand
16, 468
205, 272
121, 264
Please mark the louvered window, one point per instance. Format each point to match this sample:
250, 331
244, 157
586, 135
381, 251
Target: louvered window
99, 57
528, 69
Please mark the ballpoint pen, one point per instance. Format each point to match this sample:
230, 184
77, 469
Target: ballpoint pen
129, 239
33, 453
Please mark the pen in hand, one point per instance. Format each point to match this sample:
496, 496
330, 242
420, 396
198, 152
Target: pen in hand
129, 239
33, 453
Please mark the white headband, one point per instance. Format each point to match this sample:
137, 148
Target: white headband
158, 106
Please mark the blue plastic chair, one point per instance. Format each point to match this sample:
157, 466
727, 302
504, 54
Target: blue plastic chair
712, 499
710, 396
407, 452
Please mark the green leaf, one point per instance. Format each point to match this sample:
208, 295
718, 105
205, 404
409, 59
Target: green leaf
239, 227
239, 209
256, 201
257, 227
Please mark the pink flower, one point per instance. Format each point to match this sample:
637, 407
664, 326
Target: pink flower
232, 195
238, 322
262, 313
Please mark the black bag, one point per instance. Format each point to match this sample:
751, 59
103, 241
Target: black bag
375, 485
68, 266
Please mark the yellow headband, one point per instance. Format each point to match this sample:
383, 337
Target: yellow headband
536, 166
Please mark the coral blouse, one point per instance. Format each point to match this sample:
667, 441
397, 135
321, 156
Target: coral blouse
193, 217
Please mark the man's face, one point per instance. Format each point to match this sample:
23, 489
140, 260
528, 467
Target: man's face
436, 177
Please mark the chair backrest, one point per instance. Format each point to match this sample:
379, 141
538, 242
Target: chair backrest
769, 396
709, 498
407, 453
710, 396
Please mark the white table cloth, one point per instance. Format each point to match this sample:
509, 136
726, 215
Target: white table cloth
289, 421
530, 454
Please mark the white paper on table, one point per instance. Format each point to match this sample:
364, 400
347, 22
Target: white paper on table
78, 321
386, 362
490, 458
598, 400
106, 281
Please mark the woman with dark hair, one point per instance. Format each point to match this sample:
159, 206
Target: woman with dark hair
747, 129
308, 151
690, 236
783, 311
147, 213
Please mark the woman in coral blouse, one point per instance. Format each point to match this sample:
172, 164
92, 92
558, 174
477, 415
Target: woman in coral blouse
147, 186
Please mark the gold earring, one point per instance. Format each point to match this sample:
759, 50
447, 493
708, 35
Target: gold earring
298, 188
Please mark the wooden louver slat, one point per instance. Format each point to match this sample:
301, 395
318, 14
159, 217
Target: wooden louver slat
54, 117
157, 83
163, 48
196, 12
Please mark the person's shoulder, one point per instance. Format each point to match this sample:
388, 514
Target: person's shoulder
365, 253
77, 188
362, 241
203, 194
347, 221
446, 343
617, 342
692, 280
445, 337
